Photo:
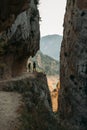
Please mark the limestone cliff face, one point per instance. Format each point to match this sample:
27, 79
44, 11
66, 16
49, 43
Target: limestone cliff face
19, 38
73, 75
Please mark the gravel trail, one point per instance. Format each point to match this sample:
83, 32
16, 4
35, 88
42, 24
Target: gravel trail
9, 105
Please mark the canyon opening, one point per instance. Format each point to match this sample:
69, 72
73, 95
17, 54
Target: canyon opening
51, 31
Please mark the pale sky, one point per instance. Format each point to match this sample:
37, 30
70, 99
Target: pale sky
52, 16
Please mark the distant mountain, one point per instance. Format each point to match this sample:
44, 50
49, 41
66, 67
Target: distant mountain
50, 45
45, 64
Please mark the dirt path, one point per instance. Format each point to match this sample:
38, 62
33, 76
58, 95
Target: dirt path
9, 104
25, 75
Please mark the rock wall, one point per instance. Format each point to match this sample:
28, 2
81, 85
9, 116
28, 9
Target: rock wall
9, 9
73, 67
19, 39
36, 108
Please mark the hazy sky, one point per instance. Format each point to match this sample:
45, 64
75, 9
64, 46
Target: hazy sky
52, 15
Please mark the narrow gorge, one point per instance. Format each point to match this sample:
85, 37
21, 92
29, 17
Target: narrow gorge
27, 95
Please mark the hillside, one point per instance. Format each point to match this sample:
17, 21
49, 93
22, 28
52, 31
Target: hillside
45, 64
50, 45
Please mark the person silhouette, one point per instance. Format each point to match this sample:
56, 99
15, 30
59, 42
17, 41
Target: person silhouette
29, 67
34, 66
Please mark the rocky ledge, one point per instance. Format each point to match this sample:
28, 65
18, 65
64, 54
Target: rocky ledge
36, 112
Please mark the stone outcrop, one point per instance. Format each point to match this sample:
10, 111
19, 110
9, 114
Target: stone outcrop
73, 73
19, 35
9, 11
36, 112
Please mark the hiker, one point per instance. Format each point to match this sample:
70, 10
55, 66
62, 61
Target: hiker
29, 67
34, 66
1, 72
